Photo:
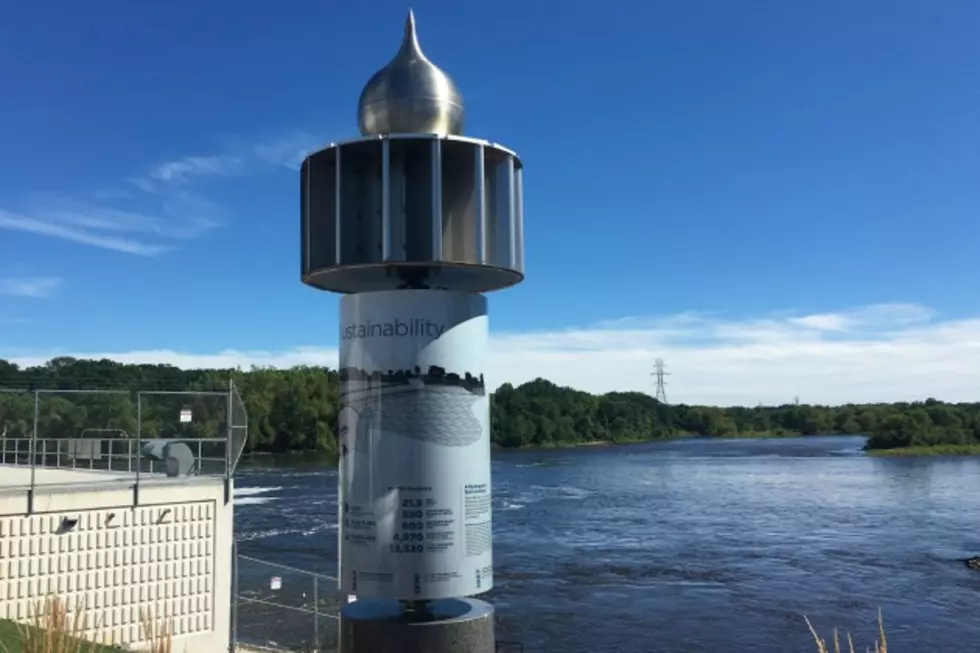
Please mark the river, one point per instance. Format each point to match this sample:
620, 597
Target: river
687, 546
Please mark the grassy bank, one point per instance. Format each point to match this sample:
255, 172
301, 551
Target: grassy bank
55, 629
935, 450
16, 638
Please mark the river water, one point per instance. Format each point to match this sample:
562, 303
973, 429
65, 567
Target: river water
687, 546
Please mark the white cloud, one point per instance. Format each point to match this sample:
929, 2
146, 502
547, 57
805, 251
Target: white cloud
889, 315
30, 286
712, 360
286, 151
165, 210
179, 216
47, 227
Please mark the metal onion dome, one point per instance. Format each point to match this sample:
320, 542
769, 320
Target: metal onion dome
410, 95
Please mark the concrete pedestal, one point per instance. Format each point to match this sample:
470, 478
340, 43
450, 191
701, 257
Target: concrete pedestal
449, 626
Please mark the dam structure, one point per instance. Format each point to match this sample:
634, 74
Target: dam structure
413, 223
128, 526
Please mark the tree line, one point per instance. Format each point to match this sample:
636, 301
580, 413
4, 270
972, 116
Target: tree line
296, 410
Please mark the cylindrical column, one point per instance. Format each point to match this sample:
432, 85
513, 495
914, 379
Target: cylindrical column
447, 626
415, 445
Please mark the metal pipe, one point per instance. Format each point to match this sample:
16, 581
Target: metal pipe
228, 433
286, 567
139, 438
316, 614
83, 392
233, 639
33, 443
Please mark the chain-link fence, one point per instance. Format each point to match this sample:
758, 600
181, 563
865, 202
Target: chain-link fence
282, 608
68, 437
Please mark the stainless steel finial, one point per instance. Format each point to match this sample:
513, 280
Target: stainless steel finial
410, 95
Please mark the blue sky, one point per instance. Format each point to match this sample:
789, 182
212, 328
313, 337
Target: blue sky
734, 186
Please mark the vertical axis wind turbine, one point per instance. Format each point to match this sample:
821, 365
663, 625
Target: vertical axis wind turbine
412, 223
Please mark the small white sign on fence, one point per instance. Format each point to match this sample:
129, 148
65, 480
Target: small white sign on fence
185, 415
275, 583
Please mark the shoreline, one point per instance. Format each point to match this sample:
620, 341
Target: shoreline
680, 436
950, 450
938, 450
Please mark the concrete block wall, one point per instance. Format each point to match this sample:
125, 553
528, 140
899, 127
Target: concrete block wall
169, 556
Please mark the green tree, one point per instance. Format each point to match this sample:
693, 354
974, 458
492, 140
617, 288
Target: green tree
296, 409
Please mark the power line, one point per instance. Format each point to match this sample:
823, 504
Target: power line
660, 372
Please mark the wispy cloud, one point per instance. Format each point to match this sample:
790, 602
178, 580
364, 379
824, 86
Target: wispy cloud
176, 217
44, 226
30, 286
238, 159
155, 211
886, 352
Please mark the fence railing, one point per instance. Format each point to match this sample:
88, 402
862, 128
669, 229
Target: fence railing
102, 454
48, 437
283, 608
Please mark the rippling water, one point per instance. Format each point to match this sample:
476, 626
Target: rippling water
693, 545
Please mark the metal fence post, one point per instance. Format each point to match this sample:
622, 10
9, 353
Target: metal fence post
33, 451
139, 446
229, 432
316, 612
233, 640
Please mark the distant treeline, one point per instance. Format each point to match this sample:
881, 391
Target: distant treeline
296, 409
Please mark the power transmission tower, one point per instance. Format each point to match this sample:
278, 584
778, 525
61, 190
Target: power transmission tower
660, 372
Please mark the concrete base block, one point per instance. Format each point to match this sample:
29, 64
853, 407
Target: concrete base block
448, 626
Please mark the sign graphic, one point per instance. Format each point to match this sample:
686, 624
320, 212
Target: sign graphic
415, 445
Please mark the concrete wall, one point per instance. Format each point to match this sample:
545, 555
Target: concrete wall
170, 554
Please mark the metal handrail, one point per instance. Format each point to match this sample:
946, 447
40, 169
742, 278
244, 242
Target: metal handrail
294, 608
106, 454
314, 608
36, 452
305, 572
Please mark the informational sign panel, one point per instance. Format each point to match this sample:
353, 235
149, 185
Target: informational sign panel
185, 416
415, 508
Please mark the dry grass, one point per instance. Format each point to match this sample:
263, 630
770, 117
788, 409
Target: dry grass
54, 628
880, 646
159, 636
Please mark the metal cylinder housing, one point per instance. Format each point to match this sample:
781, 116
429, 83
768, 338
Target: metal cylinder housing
412, 211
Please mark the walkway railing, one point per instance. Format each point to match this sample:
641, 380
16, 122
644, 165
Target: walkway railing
121, 434
280, 608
